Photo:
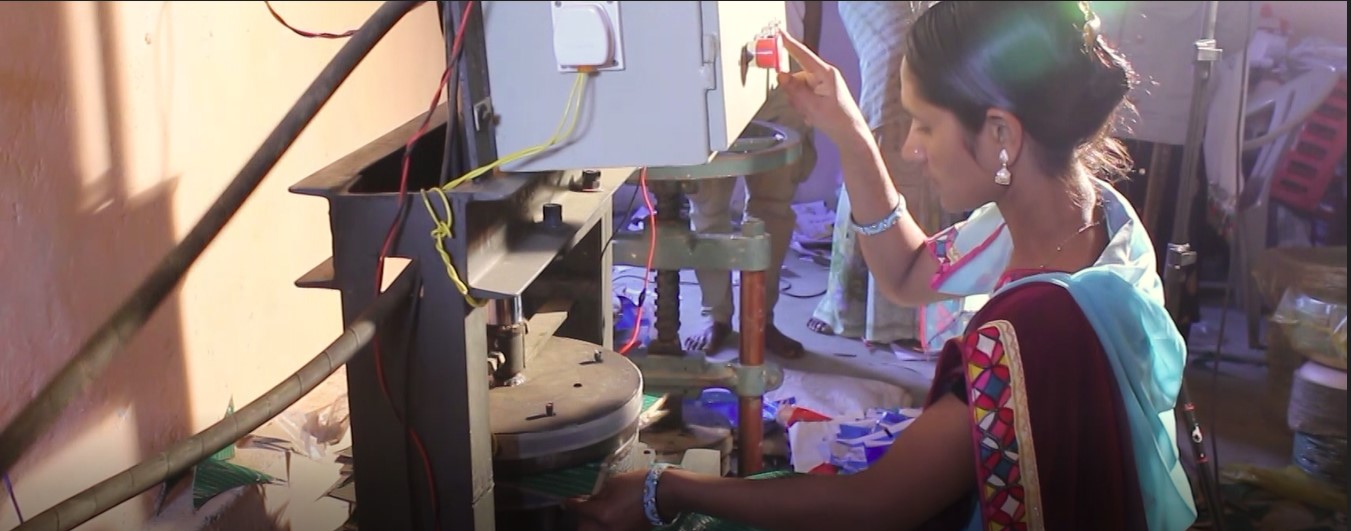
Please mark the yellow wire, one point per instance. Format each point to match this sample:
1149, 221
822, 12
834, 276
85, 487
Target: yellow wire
573, 108
441, 229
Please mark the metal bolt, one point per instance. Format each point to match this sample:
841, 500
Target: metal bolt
598, 357
549, 409
590, 180
553, 215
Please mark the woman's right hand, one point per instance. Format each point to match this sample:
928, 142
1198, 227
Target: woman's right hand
617, 507
820, 95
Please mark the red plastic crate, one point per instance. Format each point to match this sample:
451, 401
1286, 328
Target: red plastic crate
1308, 169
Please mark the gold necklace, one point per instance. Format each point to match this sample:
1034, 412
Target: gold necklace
1061, 247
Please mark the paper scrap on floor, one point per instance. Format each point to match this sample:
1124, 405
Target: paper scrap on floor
838, 424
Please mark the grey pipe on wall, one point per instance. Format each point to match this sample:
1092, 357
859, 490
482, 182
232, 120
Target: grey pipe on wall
187, 453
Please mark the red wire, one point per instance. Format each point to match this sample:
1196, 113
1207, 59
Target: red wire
403, 174
651, 248
304, 33
408, 147
389, 242
379, 275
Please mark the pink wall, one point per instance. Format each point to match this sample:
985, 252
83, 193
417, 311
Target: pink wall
120, 122
1314, 19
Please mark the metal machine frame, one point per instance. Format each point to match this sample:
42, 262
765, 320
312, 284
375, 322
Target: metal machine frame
539, 249
437, 386
422, 386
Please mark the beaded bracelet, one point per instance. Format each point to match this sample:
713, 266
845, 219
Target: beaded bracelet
650, 495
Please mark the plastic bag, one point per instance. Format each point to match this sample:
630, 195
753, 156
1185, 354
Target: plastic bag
836, 423
822, 445
627, 314
1316, 271
312, 432
1310, 324
860, 443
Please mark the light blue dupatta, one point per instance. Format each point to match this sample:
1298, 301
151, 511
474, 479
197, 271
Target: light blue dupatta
1122, 297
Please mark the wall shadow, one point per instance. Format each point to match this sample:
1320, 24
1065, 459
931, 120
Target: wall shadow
73, 246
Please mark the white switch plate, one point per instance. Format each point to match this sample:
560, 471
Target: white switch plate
611, 10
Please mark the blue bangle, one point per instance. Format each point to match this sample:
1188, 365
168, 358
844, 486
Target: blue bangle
650, 495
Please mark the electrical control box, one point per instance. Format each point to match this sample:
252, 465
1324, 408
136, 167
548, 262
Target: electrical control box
669, 83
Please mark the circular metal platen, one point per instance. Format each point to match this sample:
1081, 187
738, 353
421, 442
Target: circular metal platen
569, 409
764, 146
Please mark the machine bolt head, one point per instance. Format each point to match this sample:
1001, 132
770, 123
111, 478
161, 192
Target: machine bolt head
590, 180
553, 215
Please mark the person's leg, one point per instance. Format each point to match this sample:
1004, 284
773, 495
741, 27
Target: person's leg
887, 321
769, 198
843, 310
710, 213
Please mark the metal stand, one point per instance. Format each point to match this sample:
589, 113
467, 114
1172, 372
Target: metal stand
665, 365
481, 387
1180, 261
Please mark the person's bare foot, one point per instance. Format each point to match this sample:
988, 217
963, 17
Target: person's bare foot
820, 327
711, 339
781, 345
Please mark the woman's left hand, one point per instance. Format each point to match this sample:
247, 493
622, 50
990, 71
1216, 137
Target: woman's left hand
618, 506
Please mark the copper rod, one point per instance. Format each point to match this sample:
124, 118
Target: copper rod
750, 421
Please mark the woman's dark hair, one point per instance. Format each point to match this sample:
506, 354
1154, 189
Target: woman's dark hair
1042, 61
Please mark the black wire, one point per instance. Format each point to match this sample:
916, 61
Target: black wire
103, 345
1218, 512
453, 159
1214, 387
785, 289
456, 143
184, 453
441, 17
447, 24
320, 35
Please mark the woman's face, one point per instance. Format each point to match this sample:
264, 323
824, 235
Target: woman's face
938, 141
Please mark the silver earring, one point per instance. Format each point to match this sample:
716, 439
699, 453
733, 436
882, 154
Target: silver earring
1003, 177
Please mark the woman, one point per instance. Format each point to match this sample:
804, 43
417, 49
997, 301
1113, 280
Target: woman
1054, 409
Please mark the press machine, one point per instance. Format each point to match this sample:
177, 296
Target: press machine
469, 394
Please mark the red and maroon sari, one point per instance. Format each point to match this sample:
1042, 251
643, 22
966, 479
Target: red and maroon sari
1071, 382
1052, 450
